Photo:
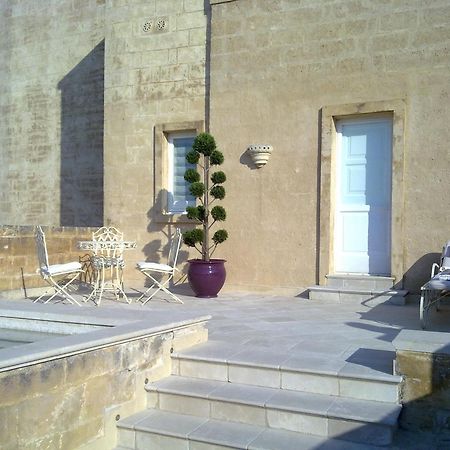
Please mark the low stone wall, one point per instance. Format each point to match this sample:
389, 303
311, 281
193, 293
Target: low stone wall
18, 255
73, 402
423, 359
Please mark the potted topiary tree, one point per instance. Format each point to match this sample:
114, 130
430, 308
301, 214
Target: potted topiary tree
206, 275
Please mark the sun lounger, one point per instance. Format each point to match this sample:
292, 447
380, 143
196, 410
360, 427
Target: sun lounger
438, 287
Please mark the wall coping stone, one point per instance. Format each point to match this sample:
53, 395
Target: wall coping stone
422, 341
118, 328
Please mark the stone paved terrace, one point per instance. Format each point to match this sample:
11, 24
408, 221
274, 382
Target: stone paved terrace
249, 322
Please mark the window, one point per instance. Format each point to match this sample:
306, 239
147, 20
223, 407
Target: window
178, 196
171, 194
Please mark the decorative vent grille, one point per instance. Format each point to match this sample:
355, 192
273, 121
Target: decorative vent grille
154, 25
147, 27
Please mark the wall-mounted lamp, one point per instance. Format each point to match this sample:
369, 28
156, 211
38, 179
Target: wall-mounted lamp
260, 154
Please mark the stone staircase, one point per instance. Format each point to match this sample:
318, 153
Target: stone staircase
216, 399
358, 288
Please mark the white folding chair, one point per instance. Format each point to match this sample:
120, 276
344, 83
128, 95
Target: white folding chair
152, 270
108, 263
58, 276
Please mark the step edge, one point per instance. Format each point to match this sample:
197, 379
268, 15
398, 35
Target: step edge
381, 377
268, 405
350, 276
212, 440
377, 293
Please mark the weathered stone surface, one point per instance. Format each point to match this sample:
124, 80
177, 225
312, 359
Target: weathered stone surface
72, 402
91, 364
425, 390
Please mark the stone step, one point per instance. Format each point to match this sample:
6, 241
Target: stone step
366, 375
365, 282
154, 429
368, 297
354, 420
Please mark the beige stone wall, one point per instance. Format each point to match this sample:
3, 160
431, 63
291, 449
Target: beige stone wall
152, 78
51, 112
425, 390
74, 402
86, 83
274, 66
18, 255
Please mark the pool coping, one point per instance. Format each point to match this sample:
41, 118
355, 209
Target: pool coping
118, 328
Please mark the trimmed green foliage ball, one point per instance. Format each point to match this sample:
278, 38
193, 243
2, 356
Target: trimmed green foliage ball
218, 192
218, 213
191, 176
220, 236
218, 177
216, 158
204, 143
197, 189
192, 157
192, 237
201, 212
192, 212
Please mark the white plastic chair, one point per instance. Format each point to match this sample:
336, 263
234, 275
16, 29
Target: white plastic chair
108, 263
152, 269
58, 276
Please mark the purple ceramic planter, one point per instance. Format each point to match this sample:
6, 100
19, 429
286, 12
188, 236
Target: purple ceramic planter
206, 278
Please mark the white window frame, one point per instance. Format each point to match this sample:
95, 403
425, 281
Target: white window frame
171, 170
160, 166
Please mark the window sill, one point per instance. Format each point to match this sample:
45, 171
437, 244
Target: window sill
174, 218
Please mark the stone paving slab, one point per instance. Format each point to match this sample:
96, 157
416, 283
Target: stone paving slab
328, 328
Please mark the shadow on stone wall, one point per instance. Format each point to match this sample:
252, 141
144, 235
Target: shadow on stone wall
418, 274
82, 123
157, 250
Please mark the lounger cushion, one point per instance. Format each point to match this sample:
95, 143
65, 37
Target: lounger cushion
441, 281
143, 265
56, 269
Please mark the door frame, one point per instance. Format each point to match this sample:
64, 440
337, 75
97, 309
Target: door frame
329, 115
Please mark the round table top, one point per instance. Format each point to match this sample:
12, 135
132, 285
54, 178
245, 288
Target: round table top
90, 245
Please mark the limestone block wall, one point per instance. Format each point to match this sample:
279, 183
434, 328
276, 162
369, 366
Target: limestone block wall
74, 402
18, 254
274, 67
423, 359
85, 83
155, 74
51, 112
425, 391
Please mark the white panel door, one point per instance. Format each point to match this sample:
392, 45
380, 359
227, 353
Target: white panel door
362, 235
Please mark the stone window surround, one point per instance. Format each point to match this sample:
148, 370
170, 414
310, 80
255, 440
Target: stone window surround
329, 115
161, 133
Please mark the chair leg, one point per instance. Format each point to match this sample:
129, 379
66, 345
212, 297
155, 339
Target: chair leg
45, 293
62, 290
161, 286
101, 287
144, 294
95, 287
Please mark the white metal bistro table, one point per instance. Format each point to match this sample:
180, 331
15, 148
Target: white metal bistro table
107, 257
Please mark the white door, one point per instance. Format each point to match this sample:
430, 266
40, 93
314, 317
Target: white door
362, 235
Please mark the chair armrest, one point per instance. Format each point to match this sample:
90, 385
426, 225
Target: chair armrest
433, 269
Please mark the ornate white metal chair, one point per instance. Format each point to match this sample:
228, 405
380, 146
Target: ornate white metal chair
108, 263
152, 270
438, 288
58, 276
